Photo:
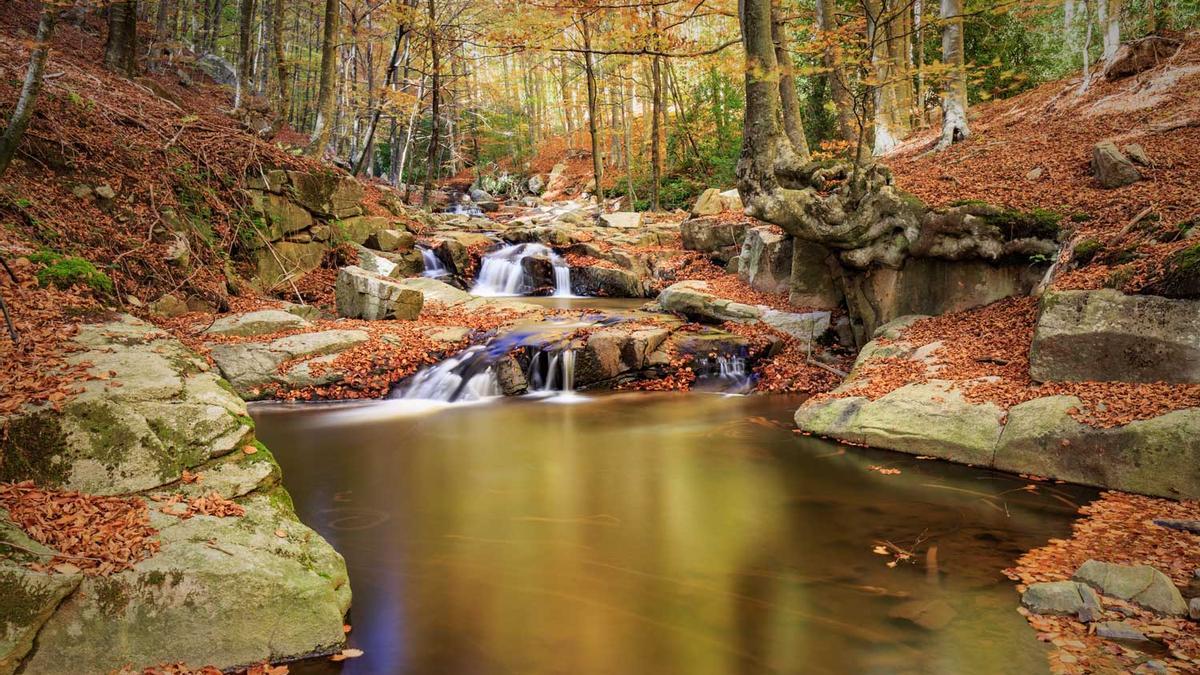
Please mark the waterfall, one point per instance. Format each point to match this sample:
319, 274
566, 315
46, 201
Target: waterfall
502, 272
725, 373
553, 373
467, 376
433, 264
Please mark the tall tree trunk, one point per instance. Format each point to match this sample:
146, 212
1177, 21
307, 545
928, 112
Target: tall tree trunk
393, 65
283, 101
164, 27
881, 31
793, 125
325, 91
593, 128
1087, 46
954, 99
31, 87
656, 115
760, 132
1110, 19
120, 48
839, 84
245, 35
435, 89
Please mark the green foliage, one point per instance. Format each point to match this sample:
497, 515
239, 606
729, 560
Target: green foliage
1038, 223
1085, 251
65, 271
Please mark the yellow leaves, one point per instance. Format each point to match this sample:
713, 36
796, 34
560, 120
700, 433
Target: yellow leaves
883, 470
249, 449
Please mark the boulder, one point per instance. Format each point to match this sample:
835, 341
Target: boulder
811, 282
1061, 598
257, 323
203, 604
217, 68
806, 326
1111, 167
1155, 456
693, 299
932, 286
596, 280
359, 229
708, 203
376, 263
622, 220
271, 180
363, 295
1194, 609
327, 194
535, 184
616, 351
711, 236
169, 306
280, 217
1105, 335
766, 259
1140, 584
1139, 55
251, 367
285, 261
206, 595
556, 181
929, 418
391, 240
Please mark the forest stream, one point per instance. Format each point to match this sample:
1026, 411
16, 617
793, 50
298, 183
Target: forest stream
656, 533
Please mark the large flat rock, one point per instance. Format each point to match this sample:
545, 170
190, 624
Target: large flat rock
1105, 335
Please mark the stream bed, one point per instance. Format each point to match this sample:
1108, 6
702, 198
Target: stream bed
648, 533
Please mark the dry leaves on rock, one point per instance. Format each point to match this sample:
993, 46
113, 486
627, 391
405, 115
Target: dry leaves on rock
98, 535
211, 504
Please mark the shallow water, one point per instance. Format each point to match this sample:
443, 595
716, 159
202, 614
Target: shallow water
655, 533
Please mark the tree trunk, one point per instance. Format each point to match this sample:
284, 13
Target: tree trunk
120, 49
793, 125
245, 30
1110, 19
431, 162
325, 91
655, 133
1087, 46
954, 99
164, 28
839, 85
30, 88
283, 103
593, 130
393, 65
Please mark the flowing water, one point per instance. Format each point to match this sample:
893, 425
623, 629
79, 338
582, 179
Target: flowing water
503, 273
656, 534
434, 267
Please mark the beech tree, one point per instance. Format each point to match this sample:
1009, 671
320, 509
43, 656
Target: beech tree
954, 97
14, 131
120, 47
325, 96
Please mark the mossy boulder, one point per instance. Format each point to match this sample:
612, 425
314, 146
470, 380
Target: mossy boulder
284, 261
257, 323
251, 367
169, 413
248, 596
327, 194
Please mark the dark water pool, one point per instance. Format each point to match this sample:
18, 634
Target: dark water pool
657, 534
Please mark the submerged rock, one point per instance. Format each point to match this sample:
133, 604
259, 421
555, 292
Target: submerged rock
1140, 584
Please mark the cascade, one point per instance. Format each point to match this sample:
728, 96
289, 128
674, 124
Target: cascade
467, 376
433, 264
502, 272
726, 373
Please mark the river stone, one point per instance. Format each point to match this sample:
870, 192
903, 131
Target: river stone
1118, 630
596, 280
708, 203
1140, 584
1156, 456
765, 262
615, 351
693, 299
251, 366
439, 292
1111, 167
251, 597
929, 418
1060, 597
714, 237
1106, 335
257, 323
805, 327
327, 194
374, 262
362, 295
931, 615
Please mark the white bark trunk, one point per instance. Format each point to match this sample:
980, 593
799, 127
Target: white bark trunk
954, 99
1110, 19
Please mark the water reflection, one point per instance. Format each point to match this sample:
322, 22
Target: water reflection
656, 534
